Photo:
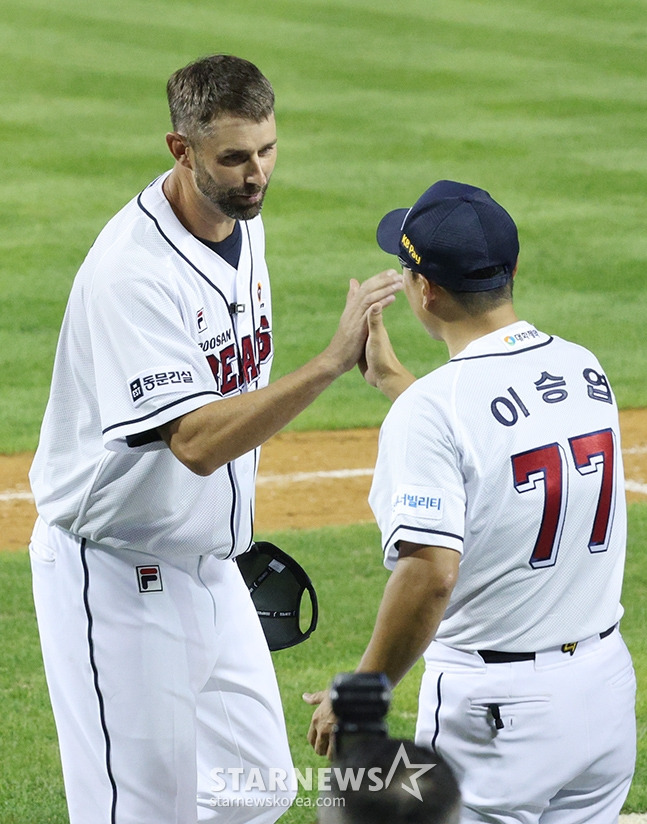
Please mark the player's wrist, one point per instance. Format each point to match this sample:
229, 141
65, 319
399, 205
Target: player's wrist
335, 360
393, 381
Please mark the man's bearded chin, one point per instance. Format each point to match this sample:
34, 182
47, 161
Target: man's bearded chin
237, 211
230, 201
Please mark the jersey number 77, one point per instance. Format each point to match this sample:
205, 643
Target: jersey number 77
547, 467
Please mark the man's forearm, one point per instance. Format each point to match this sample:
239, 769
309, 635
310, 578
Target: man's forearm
394, 384
221, 431
217, 433
414, 602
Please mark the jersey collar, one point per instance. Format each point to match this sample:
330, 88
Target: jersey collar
509, 339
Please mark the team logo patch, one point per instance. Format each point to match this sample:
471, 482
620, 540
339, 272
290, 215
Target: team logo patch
149, 578
418, 501
525, 336
160, 382
202, 321
136, 391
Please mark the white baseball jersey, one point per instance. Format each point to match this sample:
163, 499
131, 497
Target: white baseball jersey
157, 325
510, 454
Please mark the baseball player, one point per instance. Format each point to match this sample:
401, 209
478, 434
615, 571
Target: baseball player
499, 494
161, 682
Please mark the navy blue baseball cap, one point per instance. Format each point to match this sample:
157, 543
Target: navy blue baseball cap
455, 235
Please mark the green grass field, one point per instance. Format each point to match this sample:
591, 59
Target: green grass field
541, 102
346, 567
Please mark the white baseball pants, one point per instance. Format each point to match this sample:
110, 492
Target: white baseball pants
162, 686
549, 741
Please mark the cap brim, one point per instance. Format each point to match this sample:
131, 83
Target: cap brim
389, 231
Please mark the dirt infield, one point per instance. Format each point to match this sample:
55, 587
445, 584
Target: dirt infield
306, 480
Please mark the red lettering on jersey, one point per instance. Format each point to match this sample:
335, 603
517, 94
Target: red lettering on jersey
595, 453
544, 469
231, 371
229, 375
249, 368
264, 340
214, 365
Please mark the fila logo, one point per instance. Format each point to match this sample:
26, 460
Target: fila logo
202, 321
149, 578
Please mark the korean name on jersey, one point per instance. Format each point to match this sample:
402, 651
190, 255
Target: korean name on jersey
510, 454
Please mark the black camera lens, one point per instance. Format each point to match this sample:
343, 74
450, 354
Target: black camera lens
360, 700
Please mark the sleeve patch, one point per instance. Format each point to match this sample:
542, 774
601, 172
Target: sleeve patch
421, 502
149, 384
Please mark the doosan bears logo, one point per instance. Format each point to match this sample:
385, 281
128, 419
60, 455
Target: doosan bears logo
233, 364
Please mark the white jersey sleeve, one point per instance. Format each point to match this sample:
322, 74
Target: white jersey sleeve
147, 367
411, 503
